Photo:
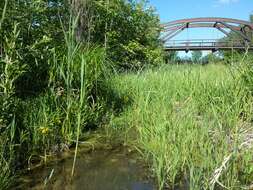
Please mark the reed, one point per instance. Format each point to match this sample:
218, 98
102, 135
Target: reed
193, 123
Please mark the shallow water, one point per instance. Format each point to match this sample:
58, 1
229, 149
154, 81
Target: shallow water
100, 170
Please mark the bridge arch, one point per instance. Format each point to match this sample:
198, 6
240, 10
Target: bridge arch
244, 30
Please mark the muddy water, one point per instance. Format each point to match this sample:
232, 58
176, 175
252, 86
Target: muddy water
100, 170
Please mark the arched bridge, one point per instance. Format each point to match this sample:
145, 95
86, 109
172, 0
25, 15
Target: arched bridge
227, 26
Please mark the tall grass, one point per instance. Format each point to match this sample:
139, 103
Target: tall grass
193, 124
55, 119
72, 102
10, 71
6, 157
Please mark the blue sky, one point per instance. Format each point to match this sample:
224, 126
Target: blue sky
169, 10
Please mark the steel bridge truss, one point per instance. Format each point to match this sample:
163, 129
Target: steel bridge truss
243, 29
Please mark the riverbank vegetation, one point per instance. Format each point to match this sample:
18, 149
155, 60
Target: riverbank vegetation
67, 67
56, 58
193, 123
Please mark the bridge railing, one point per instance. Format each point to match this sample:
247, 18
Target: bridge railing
203, 43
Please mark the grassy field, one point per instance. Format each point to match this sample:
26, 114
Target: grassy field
192, 123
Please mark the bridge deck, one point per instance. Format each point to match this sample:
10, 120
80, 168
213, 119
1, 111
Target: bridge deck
211, 48
182, 45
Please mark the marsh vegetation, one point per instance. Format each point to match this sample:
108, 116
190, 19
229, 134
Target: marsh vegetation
69, 69
192, 123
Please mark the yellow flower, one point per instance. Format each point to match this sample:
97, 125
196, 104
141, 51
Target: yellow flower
44, 130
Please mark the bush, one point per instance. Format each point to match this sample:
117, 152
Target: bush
128, 30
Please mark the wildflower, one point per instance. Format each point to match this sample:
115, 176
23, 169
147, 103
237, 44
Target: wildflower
44, 130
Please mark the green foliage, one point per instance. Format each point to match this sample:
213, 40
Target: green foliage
53, 70
52, 117
196, 56
212, 58
38, 58
39, 31
191, 123
245, 73
5, 175
171, 57
234, 38
128, 30
54, 87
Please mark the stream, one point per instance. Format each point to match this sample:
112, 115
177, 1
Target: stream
116, 169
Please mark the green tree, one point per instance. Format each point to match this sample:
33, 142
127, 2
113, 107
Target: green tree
170, 57
212, 58
196, 56
251, 20
235, 38
39, 33
128, 30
